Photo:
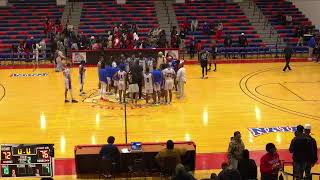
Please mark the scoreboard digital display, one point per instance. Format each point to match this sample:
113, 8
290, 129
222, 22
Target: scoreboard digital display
27, 160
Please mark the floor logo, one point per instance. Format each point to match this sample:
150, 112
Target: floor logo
261, 131
29, 74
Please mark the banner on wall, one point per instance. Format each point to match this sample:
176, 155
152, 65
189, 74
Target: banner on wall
77, 57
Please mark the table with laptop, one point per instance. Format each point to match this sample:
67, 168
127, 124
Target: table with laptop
135, 157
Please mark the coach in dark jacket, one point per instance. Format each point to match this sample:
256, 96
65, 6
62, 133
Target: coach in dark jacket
247, 167
302, 152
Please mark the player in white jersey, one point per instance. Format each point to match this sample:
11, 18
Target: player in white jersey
82, 70
122, 83
148, 84
67, 83
169, 76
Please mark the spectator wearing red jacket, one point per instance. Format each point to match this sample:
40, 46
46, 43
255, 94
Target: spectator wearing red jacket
270, 163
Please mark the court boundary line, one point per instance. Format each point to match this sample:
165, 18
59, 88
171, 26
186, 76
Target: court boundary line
243, 84
4, 92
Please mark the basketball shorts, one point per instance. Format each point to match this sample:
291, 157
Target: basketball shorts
121, 85
109, 80
168, 85
133, 88
156, 86
67, 84
115, 83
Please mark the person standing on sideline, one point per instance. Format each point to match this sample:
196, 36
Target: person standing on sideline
302, 153
270, 163
307, 132
311, 45
121, 84
103, 81
247, 167
181, 79
67, 83
287, 53
214, 52
243, 44
82, 70
36, 48
236, 146
203, 59
169, 76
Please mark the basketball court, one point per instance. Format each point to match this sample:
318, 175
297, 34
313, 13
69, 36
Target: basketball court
259, 100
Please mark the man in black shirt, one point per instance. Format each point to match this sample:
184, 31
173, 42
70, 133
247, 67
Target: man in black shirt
287, 53
247, 167
204, 58
314, 156
132, 82
227, 45
243, 44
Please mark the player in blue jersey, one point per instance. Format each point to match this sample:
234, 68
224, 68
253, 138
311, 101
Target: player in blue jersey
109, 77
82, 70
157, 80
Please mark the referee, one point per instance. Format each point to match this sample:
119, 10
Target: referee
287, 53
203, 59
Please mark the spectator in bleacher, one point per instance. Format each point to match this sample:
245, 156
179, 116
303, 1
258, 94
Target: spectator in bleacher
236, 146
194, 25
21, 50
299, 34
288, 20
243, 42
182, 174
170, 151
227, 44
311, 45
302, 151
173, 36
228, 172
270, 163
219, 30
162, 39
135, 28
307, 132
192, 47
185, 26
206, 28
247, 167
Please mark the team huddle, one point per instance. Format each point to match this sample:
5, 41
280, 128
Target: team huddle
134, 78
138, 76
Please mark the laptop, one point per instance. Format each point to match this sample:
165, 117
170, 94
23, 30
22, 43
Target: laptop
136, 146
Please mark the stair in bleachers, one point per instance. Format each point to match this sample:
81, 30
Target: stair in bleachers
233, 19
272, 8
260, 23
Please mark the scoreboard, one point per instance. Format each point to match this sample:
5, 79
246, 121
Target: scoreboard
27, 160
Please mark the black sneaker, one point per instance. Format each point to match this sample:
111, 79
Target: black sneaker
66, 101
74, 101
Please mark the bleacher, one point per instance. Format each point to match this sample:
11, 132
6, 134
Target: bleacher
233, 19
271, 8
23, 19
100, 16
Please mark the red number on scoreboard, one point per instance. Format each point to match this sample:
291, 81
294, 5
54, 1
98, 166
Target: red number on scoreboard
7, 155
45, 154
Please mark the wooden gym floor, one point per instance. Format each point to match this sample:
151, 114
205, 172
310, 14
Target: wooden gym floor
236, 97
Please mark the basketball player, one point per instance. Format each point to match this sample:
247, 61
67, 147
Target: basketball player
181, 79
82, 70
109, 77
101, 59
287, 53
67, 83
115, 77
204, 58
103, 81
157, 79
148, 85
36, 48
169, 76
214, 52
121, 85
133, 86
